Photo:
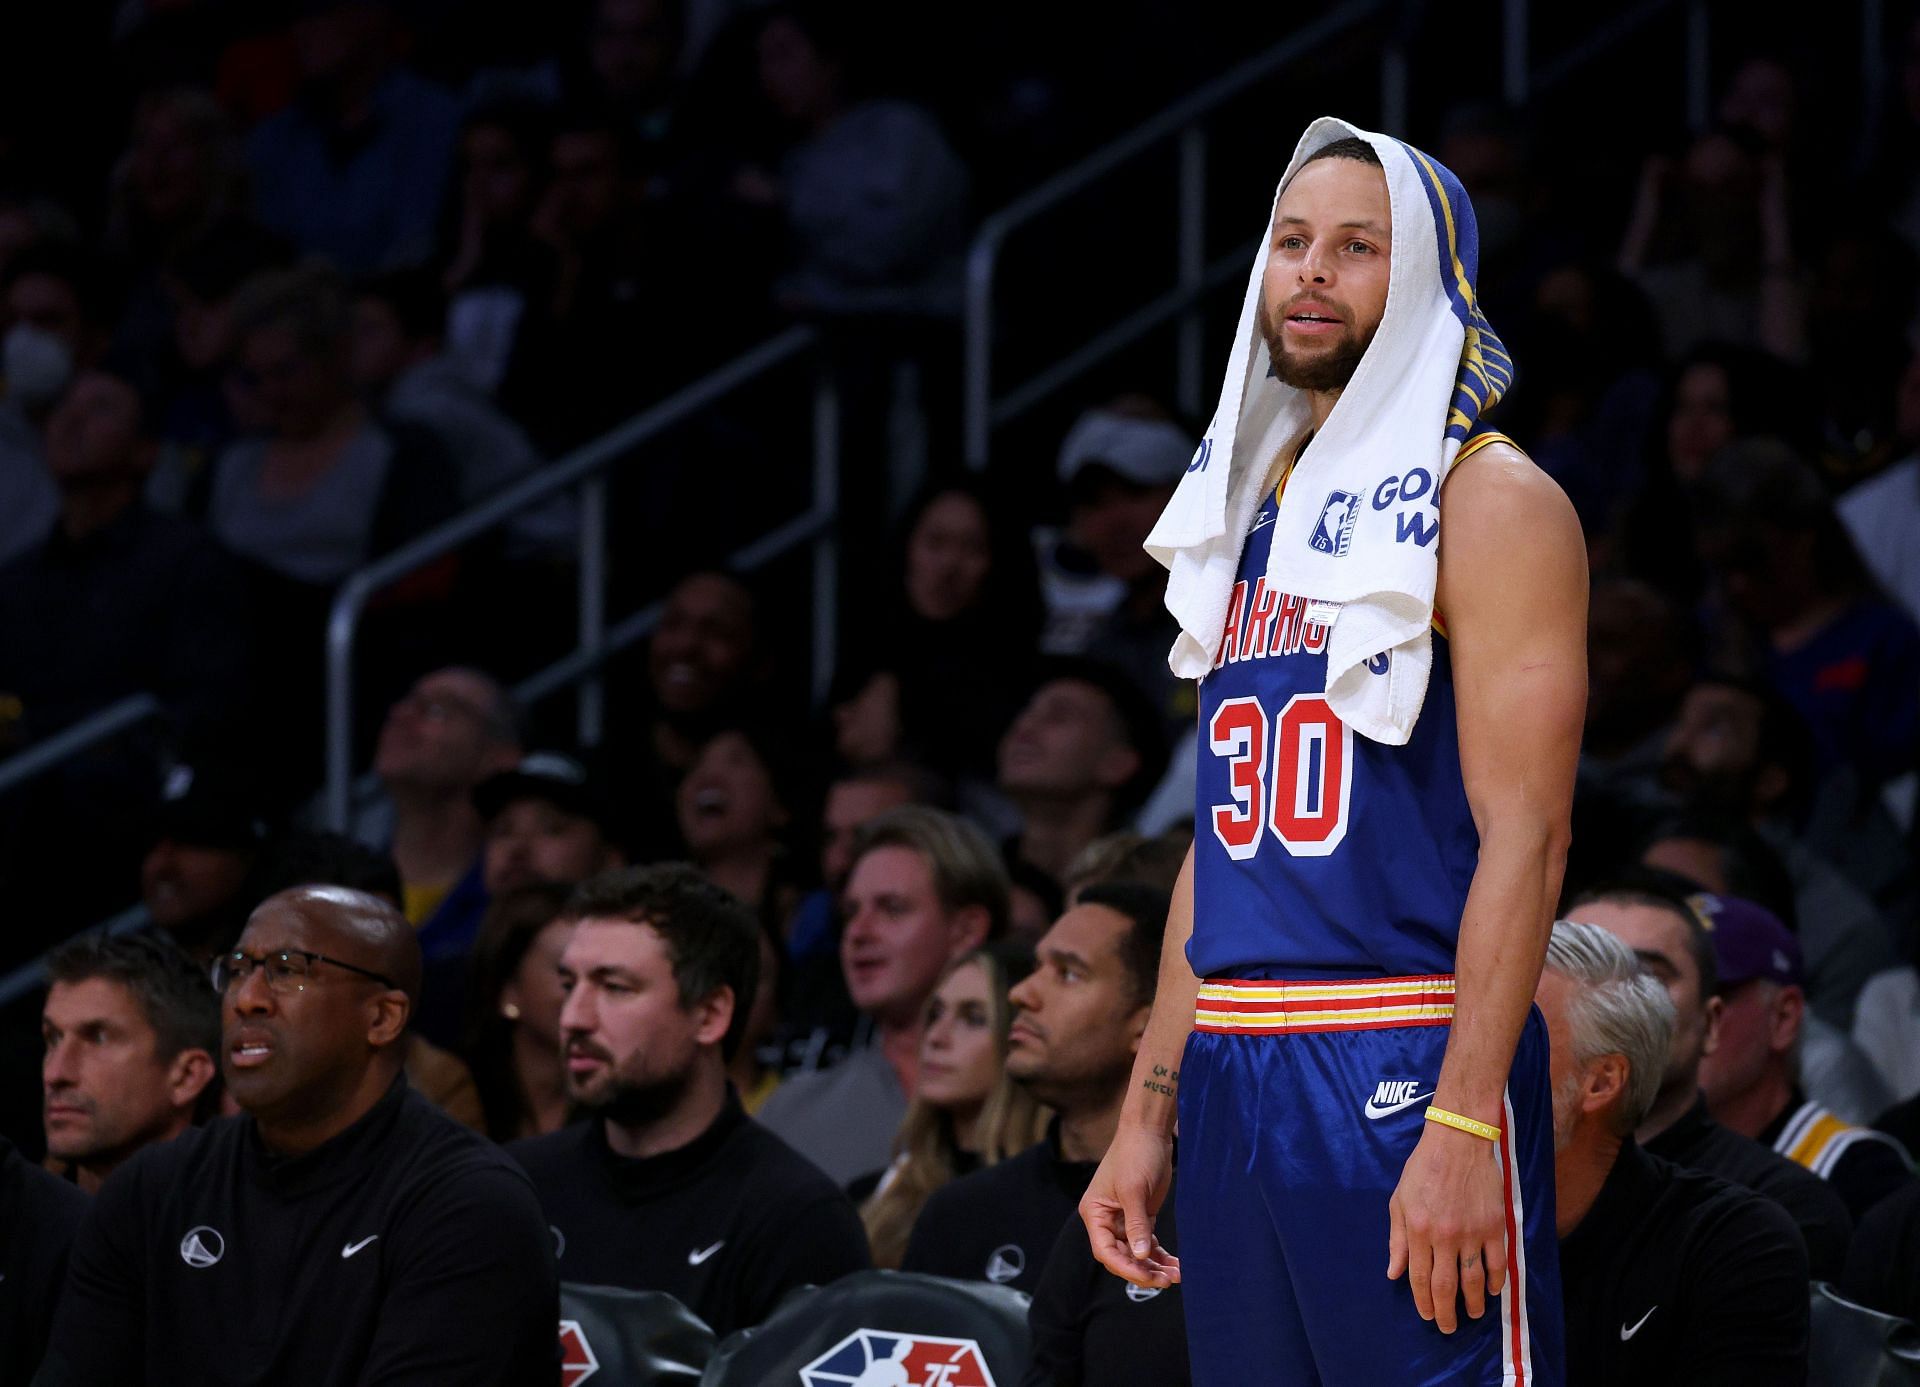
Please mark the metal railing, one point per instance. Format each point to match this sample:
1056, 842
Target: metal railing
78, 738
1185, 122
585, 471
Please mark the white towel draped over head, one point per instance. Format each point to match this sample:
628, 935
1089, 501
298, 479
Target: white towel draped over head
1358, 530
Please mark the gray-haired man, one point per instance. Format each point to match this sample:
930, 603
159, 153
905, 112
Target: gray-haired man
1669, 1276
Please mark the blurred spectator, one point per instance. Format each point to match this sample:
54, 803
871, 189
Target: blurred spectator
1639, 659
548, 819
57, 318
735, 808
1077, 1021
632, 67
1886, 1027
1119, 465
860, 796
452, 731
926, 888
1865, 286
1882, 513
956, 641
499, 275
355, 168
1883, 1269
334, 1159
1592, 386
966, 1113
325, 488
116, 599
621, 312
1077, 760
131, 1029
1751, 1079
1742, 756
39, 1215
873, 197
512, 1035
1717, 394
1125, 856
817, 1017
194, 879
1648, 911
1710, 241
398, 361
204, 401
668, 1185
705, 663
180, 179
180, 176
1845, 658
1669, 1276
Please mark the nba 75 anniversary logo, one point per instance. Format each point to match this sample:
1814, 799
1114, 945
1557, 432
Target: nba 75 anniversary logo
1333, 534
881, 1358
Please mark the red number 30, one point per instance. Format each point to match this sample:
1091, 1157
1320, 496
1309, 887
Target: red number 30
1300, 796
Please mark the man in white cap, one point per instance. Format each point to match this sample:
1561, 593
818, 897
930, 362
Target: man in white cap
1383, 820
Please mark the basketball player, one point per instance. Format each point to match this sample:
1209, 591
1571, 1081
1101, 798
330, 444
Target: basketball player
1380, 969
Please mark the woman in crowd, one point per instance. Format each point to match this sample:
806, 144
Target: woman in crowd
736, 819
966, 1113
941, 672
513, 1021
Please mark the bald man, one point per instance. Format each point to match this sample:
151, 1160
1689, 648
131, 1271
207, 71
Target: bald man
340, 1230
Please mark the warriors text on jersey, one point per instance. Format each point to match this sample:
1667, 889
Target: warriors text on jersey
1319, 853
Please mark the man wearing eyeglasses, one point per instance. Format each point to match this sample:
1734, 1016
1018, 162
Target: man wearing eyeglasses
341, 1229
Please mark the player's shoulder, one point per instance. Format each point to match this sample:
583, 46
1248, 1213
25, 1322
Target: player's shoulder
1492, 466
1495, 495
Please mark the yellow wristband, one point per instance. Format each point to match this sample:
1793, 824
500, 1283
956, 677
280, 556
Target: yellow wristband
1464, 1124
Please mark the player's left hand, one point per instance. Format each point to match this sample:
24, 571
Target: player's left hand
1448, 1225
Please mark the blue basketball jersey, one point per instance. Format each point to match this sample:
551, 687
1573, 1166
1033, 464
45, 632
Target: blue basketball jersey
1319, 853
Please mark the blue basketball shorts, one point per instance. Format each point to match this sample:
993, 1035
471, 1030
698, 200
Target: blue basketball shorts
1299, 1105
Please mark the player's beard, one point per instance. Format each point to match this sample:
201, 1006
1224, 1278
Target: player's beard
1327, 370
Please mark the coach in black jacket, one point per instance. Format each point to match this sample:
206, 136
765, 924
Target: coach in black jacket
340, 1231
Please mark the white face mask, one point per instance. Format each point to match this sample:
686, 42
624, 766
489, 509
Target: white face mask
37, 365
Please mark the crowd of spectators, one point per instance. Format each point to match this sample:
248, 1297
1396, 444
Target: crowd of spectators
354, 269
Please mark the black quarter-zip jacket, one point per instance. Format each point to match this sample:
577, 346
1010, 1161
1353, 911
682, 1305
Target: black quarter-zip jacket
1674, 1277
727, 1224
39, 1214
407, 1249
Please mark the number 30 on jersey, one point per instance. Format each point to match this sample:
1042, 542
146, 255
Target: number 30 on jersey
1290, 775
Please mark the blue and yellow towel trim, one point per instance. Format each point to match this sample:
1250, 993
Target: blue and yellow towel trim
1486, 370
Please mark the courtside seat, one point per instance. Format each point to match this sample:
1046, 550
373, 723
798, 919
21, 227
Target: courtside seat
882, 1329
636, 1338
1852, 1346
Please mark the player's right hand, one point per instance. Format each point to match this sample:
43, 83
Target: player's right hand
1119, 1208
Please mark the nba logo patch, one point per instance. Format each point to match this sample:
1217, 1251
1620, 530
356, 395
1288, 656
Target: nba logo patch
879, 1358
1334, 532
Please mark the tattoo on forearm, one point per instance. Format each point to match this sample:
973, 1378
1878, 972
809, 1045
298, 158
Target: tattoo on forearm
1164, 1081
